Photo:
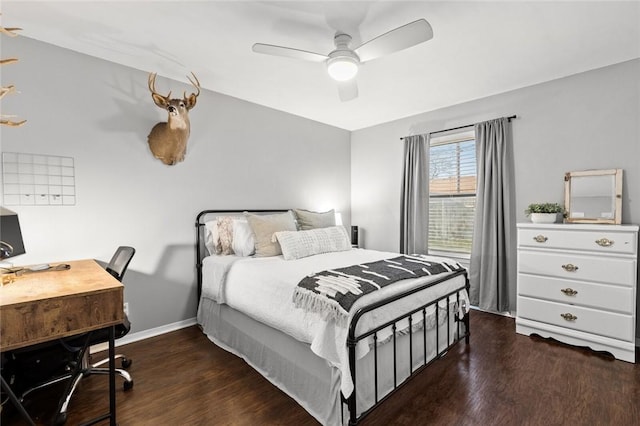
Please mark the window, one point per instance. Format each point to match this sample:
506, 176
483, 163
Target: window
452, 193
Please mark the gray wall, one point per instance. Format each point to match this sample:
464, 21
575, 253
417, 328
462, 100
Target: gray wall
240, 155
585, 121
244, 155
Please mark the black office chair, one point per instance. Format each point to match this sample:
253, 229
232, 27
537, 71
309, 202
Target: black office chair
117, 267
73, 352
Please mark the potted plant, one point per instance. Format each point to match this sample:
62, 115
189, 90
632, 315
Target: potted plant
543, 212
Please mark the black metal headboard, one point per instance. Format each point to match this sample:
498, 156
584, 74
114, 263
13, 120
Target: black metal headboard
203, 217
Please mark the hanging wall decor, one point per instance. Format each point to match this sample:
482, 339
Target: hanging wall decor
38, 180
168, 141
6, 120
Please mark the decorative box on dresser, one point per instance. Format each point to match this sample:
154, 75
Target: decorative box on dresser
577, 284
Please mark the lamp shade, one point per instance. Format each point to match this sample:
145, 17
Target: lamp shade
11, 243
338, 219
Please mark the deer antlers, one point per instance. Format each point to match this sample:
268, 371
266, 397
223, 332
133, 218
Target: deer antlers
4, 119
152, 87
11, 32
161, 100
196, 84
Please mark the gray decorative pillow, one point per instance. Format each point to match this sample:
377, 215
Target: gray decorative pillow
264, 227
313, 220
296, 245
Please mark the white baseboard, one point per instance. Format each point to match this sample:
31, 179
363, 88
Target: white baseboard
504, 314
146, 334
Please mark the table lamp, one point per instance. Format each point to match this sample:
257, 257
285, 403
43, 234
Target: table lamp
11, 243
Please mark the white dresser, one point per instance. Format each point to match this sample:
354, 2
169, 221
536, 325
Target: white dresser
577, 284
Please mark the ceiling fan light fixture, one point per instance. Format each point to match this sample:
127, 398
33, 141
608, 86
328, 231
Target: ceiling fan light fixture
342, 68
343, 62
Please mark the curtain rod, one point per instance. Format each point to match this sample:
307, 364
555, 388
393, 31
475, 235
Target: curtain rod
462, 127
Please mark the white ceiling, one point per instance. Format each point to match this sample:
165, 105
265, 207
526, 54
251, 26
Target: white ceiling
479, 48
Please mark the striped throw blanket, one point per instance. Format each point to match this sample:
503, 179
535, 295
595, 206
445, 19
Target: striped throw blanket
332, 293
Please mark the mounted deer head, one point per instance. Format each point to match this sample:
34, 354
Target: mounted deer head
168, 141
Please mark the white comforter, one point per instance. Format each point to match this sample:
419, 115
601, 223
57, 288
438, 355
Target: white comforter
263, 288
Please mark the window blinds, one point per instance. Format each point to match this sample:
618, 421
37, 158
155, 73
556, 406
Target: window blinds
452, 192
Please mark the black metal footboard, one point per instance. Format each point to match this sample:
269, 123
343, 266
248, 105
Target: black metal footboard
353, 340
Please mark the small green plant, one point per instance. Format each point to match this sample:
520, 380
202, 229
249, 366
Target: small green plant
543, 208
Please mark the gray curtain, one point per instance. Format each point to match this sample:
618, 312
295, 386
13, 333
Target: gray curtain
414, 209
492, 267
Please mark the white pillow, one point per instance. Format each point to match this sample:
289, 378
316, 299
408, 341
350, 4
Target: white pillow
244, 242
298, 244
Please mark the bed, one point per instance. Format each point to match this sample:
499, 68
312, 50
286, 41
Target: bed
338, 368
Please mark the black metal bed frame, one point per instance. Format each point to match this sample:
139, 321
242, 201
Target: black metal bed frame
353, 339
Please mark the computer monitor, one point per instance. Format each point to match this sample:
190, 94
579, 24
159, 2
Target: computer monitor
11, 243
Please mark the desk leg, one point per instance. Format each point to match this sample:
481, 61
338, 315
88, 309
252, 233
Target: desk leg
16, 402
112, 383
112, 376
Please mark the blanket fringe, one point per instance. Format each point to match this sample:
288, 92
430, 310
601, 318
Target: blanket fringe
328, 309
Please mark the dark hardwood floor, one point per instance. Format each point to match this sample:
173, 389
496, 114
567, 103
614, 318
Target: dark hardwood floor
501, 378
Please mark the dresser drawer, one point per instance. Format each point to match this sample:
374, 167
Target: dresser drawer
588, 268
595, 241
617, 326
600, 296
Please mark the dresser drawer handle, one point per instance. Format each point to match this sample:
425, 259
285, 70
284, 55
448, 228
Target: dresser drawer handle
569, 291
604, 242
569, 317
569, 267
540, 239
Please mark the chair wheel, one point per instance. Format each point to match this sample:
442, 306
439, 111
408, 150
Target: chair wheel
60, 419
126, 362
128, 385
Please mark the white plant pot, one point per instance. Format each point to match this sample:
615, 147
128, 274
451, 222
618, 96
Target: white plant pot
544, 217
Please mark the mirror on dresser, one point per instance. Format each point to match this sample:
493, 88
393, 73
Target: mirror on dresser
593, 196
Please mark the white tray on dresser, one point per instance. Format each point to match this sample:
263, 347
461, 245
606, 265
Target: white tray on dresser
577, 284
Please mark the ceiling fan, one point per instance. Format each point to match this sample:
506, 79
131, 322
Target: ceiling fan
343, 62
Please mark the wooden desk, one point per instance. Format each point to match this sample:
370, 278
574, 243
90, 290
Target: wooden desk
42, 306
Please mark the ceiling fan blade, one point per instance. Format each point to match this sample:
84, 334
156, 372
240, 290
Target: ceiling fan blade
288, 52
348, 90
401, 38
